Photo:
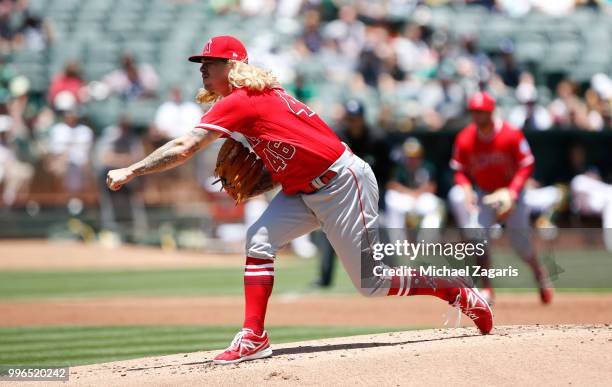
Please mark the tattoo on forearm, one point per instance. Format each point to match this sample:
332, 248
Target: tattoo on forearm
173, 153
199, 134
167, 156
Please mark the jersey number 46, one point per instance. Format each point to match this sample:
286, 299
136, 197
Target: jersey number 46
277, 154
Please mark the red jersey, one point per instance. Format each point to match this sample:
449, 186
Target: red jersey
500, 160
294, 143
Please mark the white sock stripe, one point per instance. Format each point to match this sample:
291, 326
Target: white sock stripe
258, 273
406, 285
401, 286
259, 266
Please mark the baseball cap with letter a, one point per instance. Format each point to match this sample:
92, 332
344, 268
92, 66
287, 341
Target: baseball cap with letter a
482, 101
224, 47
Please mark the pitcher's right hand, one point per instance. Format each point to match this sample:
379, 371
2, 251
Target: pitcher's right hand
117, 178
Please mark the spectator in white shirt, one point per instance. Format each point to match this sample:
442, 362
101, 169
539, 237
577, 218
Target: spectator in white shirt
70, 144
176, 116
348, 31
529, 115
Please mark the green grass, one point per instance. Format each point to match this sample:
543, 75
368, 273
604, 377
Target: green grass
295, 278
74, 345
581, 271
572, 271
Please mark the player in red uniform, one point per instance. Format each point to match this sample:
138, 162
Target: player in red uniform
323, 186
496, 158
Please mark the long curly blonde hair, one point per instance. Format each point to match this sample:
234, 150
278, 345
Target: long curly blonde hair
242, 75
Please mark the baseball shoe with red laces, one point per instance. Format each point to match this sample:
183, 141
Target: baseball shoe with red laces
472, 304
245, 346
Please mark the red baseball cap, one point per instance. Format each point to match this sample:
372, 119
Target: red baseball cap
226, 47
482, 101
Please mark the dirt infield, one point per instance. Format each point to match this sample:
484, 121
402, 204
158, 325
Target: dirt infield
307, 310
518, 355
514, 354
51, 255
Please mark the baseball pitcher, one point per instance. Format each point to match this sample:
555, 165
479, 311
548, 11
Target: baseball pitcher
323, 185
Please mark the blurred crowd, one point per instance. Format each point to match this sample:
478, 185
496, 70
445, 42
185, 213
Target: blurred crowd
419, 77
20, 29
408, 74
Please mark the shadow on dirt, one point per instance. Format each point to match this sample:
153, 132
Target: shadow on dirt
316, 348
338, 347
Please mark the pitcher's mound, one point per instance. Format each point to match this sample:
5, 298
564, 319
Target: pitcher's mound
511, 355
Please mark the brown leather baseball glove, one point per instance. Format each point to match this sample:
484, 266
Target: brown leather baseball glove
241, 172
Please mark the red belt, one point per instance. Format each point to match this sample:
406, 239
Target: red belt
319, 182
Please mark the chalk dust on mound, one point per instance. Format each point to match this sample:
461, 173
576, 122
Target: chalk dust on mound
511, 356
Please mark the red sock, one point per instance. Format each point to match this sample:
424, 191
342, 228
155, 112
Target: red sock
258, 283
418, 285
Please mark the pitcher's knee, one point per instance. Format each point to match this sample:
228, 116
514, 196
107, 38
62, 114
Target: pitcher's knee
258, 244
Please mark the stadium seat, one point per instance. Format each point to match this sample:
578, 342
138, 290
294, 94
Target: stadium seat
37, 7
143, 51
142, 112
560, 56
103, 113
584, 70
101, 51
62, 52
97, 70
530, 46
582, 17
